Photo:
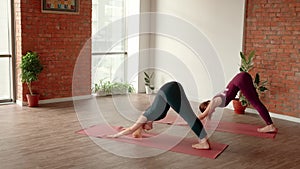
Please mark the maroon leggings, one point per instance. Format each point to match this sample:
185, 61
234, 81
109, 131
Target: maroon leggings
243, 82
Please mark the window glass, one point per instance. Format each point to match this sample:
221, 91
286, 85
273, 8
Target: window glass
5, 52
5, 27
108, 52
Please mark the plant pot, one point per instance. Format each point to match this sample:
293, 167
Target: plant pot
119, 91
101, 93
238, 107
33, 100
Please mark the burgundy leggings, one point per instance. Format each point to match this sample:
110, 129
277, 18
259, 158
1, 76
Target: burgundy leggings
243, 82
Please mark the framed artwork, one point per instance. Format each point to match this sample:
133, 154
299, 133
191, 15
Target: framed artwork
60, 6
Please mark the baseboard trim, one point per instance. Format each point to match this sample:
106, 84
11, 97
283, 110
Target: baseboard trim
20, 103
273, 115
65, 99
57, 100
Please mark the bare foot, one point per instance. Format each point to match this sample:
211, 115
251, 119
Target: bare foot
202, 145
138, 133
267, 129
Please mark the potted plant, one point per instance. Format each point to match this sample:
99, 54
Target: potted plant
241, 103
97, 89
122, 88
104, 88
148, 82
31, 67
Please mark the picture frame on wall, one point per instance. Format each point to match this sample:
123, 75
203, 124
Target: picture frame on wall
60, 6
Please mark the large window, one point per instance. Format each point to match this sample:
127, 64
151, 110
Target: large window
5, 52
108, 47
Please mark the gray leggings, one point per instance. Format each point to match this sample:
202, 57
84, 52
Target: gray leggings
172, 95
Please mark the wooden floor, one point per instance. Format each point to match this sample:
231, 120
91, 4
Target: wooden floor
44, 137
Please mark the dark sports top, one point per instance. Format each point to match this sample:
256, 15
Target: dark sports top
222, 95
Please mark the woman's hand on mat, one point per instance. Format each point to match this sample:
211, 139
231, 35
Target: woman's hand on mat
213, 104
206, 115
148, 125
138, 133
124, 131
113, 135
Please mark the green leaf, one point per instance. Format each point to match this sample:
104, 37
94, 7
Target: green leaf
151, 76
257, 79
264, 83
262, 88
148, 78
243, 100
246, 62
31, 67
146, 75
242, 56
250, 57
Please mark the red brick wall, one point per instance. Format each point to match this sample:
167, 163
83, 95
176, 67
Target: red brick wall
272, 29
58, 39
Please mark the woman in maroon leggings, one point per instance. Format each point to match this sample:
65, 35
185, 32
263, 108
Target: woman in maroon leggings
241, 82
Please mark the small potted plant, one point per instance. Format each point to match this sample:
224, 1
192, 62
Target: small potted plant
148, 82
241, 103
31, 67
97, 89
122, 88
104, 88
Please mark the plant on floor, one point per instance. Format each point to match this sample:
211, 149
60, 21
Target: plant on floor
260, 86
31, 67
104, 88
122, 88
246, 66
247, 61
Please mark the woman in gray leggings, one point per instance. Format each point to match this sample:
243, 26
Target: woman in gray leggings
170, 95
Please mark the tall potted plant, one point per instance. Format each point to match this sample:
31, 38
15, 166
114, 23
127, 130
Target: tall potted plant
241, 103
31, 67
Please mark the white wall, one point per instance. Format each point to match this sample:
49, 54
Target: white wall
133, 22
139, 57
220, 22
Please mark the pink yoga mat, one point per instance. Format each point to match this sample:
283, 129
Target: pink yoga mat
231, 127
185, 146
